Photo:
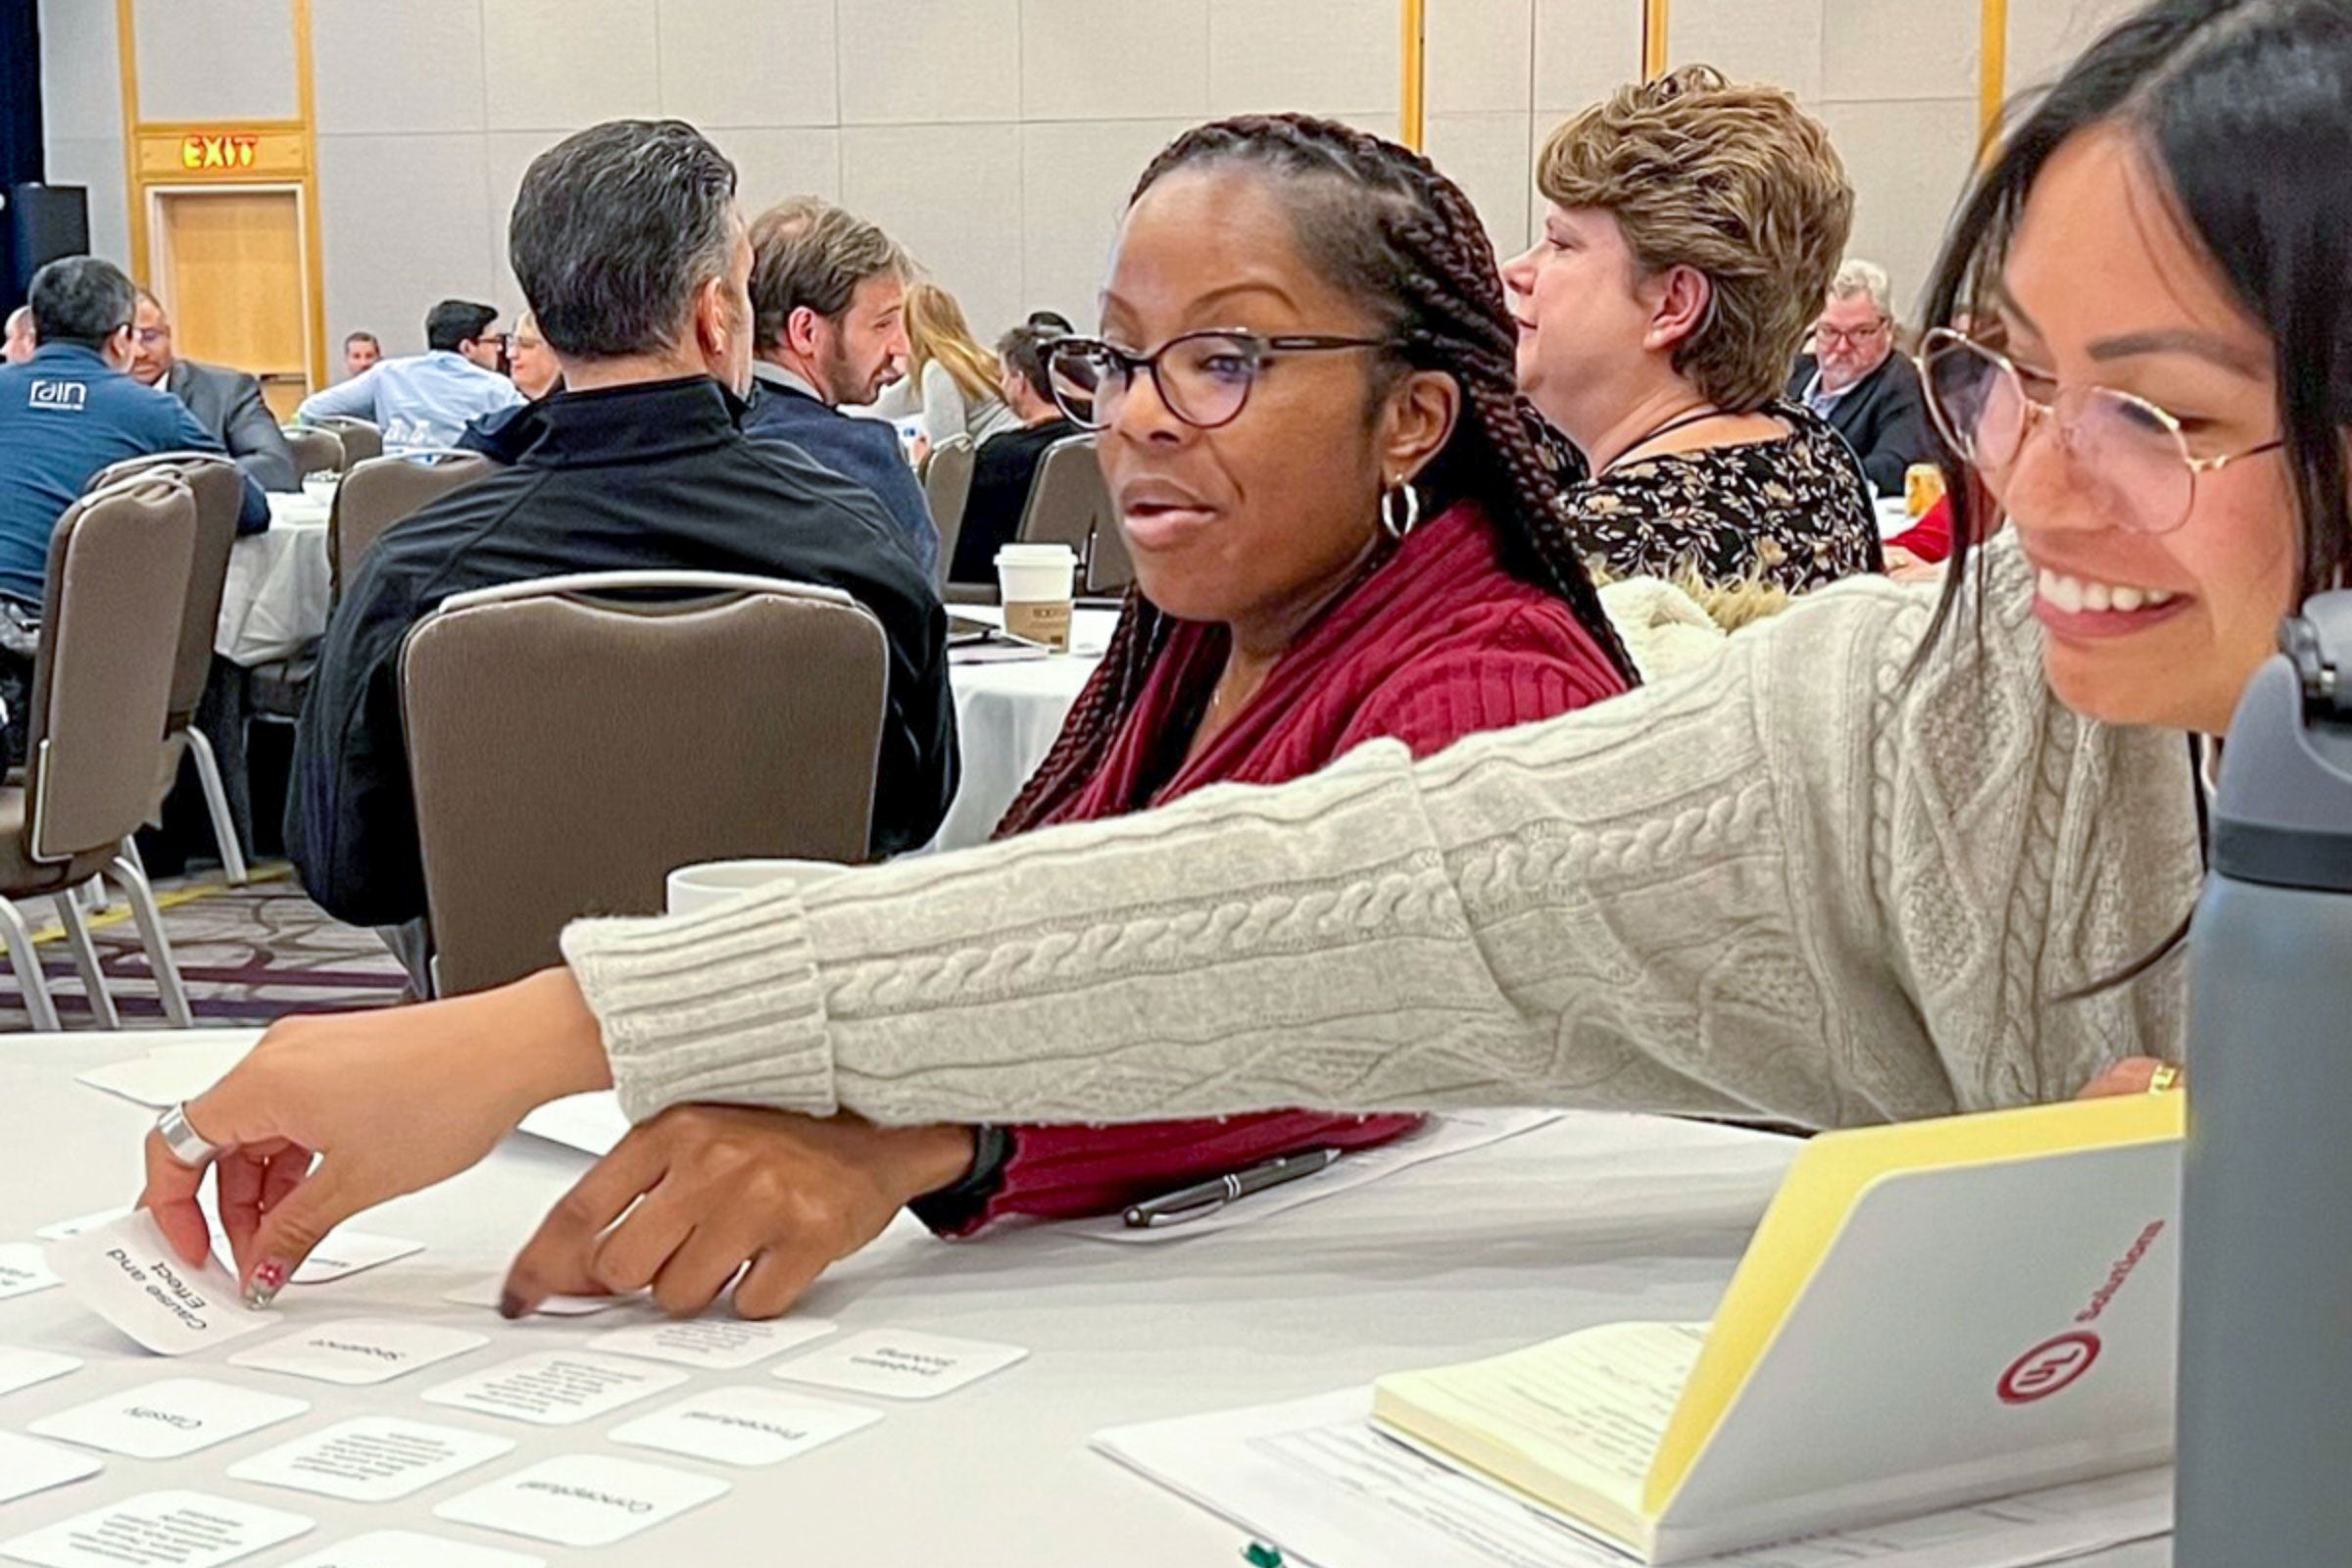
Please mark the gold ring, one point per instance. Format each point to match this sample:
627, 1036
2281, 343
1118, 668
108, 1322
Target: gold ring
2163, 1078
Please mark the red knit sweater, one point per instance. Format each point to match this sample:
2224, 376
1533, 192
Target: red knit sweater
1437, 643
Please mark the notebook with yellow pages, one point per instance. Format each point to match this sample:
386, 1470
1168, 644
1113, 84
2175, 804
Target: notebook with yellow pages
1930, 1315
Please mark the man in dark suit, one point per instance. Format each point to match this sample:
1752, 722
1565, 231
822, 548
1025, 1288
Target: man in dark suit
227, 403
1854, 379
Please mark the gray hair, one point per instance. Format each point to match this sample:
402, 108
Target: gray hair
614, 231
1859, 277
80, 299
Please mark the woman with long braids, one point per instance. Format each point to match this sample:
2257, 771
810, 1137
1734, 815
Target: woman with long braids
1874, 863
1342, 532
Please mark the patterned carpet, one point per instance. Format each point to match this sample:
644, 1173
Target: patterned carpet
247, 955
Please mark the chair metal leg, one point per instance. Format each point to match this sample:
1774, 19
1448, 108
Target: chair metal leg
215, 801
125, 874
85, 959
26, 961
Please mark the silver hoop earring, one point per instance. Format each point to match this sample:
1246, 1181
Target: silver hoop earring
1412, 508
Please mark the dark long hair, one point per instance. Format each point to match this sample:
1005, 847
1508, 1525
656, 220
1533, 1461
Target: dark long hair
2243, 109
1380, 220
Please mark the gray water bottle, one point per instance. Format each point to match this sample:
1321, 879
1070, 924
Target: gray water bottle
2265, 1329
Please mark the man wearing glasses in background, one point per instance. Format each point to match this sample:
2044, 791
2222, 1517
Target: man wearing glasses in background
1854, 379
227, 403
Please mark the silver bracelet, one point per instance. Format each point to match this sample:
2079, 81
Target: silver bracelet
183, 1142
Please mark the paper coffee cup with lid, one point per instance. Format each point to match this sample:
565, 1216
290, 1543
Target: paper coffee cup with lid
1038, 584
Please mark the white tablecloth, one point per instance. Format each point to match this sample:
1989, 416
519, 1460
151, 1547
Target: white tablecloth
1007, 717
1587, 1221
275, 600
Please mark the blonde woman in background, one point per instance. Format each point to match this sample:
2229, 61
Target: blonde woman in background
951, 381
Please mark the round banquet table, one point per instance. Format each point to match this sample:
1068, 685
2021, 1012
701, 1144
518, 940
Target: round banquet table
1589, 1220
275, 601
1006, 715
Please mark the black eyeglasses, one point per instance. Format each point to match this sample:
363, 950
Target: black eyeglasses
1203, 377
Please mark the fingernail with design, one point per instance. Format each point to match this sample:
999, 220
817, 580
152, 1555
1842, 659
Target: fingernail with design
267, 1280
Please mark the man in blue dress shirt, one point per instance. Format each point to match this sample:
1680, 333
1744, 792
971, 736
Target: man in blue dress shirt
424, 401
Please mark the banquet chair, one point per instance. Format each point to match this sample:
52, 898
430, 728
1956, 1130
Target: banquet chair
361, 439
378, 493
219, 493
948, 485
118, 586
1068, 502
573, 740
315, 448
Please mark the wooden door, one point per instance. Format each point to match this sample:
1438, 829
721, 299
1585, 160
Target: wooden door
234, 280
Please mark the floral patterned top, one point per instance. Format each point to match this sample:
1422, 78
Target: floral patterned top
1794, 512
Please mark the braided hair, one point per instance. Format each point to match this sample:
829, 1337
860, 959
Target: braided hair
1380, 220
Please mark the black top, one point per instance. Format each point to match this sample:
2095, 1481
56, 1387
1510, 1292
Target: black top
649, 477
1002, 473
1884, 417
1793, 514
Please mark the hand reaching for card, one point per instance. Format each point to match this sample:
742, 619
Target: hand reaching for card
689, 1199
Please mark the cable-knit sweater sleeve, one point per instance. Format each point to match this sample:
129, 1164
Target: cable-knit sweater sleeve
1787, 885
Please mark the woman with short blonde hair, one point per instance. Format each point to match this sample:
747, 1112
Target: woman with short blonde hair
1693, 227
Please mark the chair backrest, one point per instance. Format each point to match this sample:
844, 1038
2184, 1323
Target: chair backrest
119, 566
948, 485
1110, 569
572, 741
361, 438
1067, 500
315, 448
220, 491
379, 492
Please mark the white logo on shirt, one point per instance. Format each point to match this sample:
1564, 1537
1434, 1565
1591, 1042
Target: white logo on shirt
72, 396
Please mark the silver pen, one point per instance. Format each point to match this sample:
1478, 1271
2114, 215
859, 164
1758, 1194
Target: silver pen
1206, 1198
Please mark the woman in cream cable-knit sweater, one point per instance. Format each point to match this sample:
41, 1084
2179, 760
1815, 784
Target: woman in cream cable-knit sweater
1793, 884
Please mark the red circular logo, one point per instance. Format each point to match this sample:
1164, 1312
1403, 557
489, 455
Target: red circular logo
2049, 1368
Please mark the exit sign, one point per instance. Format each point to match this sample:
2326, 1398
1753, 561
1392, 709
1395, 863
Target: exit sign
234, 150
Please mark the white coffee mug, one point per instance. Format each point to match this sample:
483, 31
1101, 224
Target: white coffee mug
698, 887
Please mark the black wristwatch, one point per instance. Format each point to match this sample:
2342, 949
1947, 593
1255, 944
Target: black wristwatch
953, 1209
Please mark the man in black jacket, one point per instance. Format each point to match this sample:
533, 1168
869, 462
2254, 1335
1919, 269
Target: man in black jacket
1854, 379
629, 246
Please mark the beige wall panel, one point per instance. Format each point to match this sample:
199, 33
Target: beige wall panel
2045, 35
740, 62
947, 193
1480, 55
1880, 49
1585, 50
1909, 162
214, 60
1075, 180
1341, 58
386, 66
82, 77
924, 62
405, 225
1085, 60
560, 65
773, 164
1487, 156
1751, 40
